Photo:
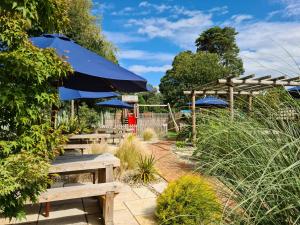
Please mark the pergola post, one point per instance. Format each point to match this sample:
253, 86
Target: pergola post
194, 135
230, 89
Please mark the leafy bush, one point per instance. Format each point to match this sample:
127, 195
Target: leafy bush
257, 158
129, 152
148, 134
188, 201
181, 144
146, 171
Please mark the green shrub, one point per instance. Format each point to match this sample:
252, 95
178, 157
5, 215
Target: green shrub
148, 134
146, 170
188, 201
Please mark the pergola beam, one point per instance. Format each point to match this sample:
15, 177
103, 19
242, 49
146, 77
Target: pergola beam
262, 82
222, 92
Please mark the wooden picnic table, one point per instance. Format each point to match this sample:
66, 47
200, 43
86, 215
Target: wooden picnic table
114, 130
105, 187
95, 136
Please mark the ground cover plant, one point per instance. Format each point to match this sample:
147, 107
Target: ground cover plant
257, 158
190, 200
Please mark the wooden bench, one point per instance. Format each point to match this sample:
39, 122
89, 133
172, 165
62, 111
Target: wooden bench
89, 137
81, 147
106, 190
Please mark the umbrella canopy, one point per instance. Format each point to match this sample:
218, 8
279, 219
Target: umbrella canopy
294, 92
115, 103
66, 94
210, 101
92, 72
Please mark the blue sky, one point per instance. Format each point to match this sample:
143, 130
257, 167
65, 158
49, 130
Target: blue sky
148, 34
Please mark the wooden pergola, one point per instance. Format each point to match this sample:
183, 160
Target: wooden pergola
246, 85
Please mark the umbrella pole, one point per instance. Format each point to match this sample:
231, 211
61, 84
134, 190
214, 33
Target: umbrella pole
72, 109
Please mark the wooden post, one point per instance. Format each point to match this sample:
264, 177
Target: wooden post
173, 118
194, 135
250, 101
72, 109
231, 102
108, 208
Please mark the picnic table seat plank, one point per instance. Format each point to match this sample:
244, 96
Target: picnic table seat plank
89, 136
78, 191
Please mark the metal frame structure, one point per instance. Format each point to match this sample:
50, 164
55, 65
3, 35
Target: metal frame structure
246, 85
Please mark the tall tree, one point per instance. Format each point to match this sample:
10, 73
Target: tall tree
189, 71
222, 42
85, 29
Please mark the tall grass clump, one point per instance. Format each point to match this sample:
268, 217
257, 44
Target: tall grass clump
129, 152
257, 158
146, 171
149, 134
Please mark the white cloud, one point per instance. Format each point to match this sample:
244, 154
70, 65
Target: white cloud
292, 8
182, 32
270, 47
159, 8
144, 55
241, 18
141, 69
124, 12
219, 10
121, 38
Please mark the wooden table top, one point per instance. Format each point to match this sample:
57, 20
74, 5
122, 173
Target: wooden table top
83, 162
88, 136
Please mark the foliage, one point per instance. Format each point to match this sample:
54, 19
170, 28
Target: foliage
129, 152
257, 159
222, 42
148, 134
188, 201
189, 71
88, 118
41, 16
146, 169
28, 76
85, 29
181, 144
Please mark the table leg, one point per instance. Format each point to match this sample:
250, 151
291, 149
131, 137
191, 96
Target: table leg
47, 209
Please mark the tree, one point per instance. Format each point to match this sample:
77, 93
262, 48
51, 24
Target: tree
84, 29
189, 71
28, 76
222, 42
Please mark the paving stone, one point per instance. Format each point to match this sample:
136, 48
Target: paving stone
124, 217
32, 212
119, 205
66, 220
144, 192
126, 196
64, 209
125, 188
94, 219
160, 187
144, 206
146, 219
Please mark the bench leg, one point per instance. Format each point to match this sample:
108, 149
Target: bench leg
47, 209
108, 208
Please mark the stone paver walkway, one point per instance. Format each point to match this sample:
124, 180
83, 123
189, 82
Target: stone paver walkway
167, 163
132, 206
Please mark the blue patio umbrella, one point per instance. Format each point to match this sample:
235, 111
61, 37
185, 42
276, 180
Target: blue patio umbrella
92, 72
210, 101
294, 92
115, 103
66, 94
